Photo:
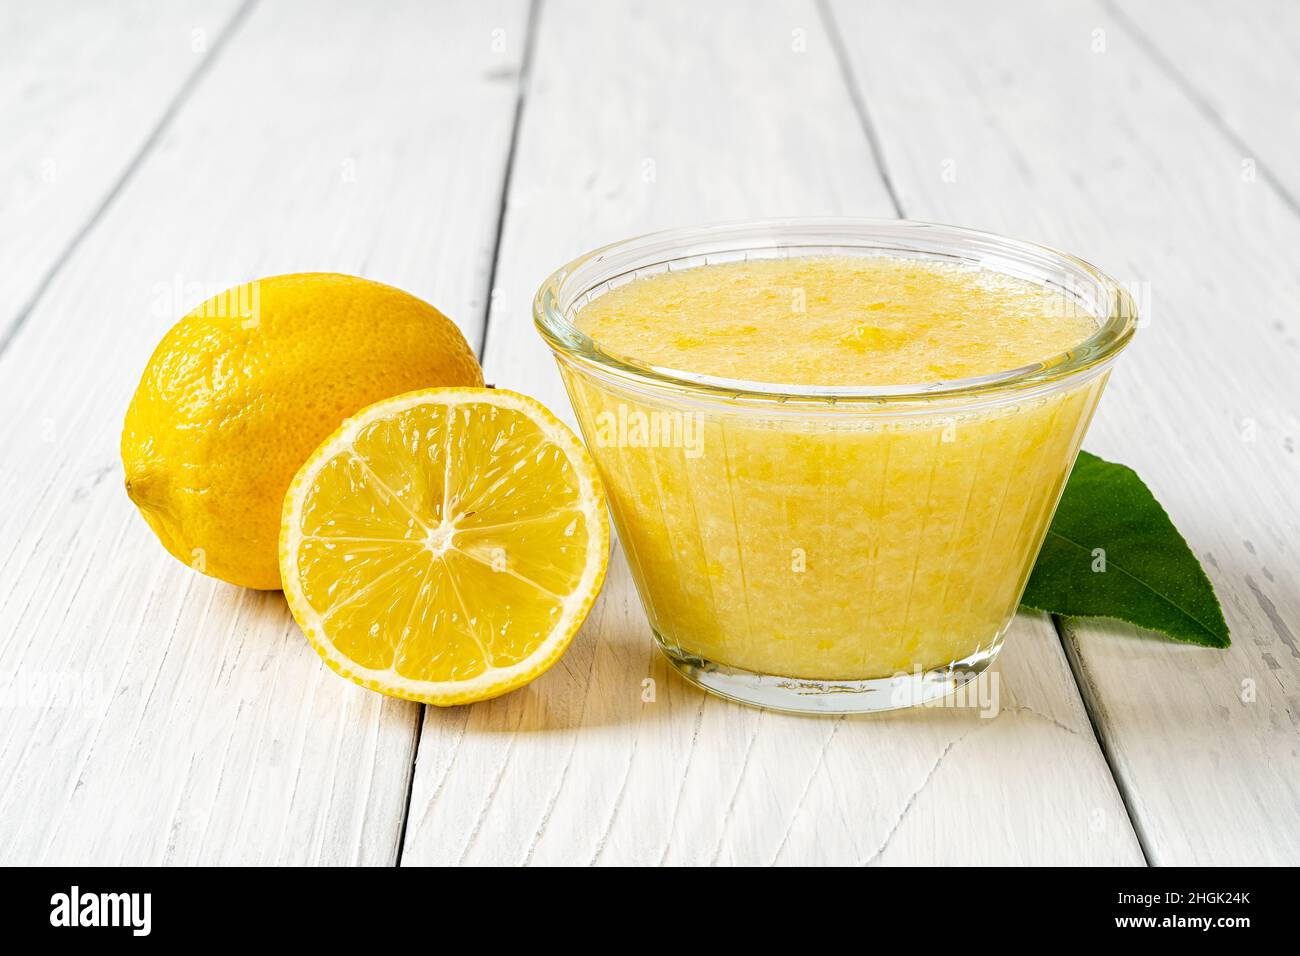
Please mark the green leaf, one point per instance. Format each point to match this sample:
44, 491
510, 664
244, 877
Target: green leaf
1108, 519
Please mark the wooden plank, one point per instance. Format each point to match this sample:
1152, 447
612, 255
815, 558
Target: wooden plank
677, 113
1238, 63
1057, 126
82, 88
196, 724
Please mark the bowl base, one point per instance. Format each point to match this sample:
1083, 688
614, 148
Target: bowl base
796, 695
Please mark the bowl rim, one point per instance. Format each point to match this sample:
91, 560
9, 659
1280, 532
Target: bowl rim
557, 300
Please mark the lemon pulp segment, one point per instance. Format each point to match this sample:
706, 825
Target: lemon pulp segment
445, 545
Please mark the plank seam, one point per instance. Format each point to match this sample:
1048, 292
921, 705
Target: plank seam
146, 147
1091, 704
525, 67
1202, 105
525, 71
410, 784
859, 103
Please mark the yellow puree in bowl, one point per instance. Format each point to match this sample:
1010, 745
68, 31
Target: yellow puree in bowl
835, 543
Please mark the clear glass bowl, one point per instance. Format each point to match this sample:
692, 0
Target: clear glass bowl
831, 550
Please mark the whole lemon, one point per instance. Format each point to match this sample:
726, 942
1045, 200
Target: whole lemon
242, 390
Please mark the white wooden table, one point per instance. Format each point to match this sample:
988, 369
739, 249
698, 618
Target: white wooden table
154, 153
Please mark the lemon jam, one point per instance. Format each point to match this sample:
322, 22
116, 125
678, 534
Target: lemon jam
836, 321
799, 536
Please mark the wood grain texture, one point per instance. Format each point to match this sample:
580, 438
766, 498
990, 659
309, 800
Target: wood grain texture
193, 723
1238, 63
1059, 126
654, 115
82, 88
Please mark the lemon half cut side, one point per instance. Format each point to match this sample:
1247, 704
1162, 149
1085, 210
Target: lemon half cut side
445, 545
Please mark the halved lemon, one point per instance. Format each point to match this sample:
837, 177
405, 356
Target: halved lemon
445, 545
